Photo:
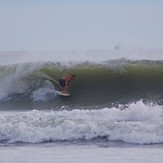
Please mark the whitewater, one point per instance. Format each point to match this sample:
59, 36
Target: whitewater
114, 112
138, 124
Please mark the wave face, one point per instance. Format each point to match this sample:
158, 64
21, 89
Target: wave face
106, 83
139, 123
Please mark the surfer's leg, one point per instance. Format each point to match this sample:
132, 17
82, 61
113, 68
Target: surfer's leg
62, 83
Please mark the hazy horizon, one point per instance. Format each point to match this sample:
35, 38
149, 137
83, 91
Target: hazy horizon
61, 25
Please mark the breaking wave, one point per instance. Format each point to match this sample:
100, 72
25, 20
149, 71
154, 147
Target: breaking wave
113, 81
139, 123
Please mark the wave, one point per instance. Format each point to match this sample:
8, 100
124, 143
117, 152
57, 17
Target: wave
97, 83
139, 123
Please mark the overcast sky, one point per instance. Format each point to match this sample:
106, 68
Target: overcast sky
80, 24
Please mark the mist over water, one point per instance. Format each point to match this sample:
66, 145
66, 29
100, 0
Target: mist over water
9, 57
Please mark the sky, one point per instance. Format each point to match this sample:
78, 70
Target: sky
75, 24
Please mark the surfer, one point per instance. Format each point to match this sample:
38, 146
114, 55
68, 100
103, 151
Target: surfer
65, 82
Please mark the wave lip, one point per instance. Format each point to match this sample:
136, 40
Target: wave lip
139, 124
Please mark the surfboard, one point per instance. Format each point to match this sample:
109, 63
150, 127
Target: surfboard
61, 93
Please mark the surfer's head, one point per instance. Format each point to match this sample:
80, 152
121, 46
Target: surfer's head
73, 77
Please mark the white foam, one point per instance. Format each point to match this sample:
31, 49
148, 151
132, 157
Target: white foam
11, 79
45, 93
139, 123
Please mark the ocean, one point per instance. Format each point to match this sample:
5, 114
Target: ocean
114, 112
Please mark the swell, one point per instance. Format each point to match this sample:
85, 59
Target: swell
114, 81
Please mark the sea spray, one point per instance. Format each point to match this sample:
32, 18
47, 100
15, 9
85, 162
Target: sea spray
140, 124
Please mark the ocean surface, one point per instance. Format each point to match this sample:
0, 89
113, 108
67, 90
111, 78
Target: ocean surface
116, 103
